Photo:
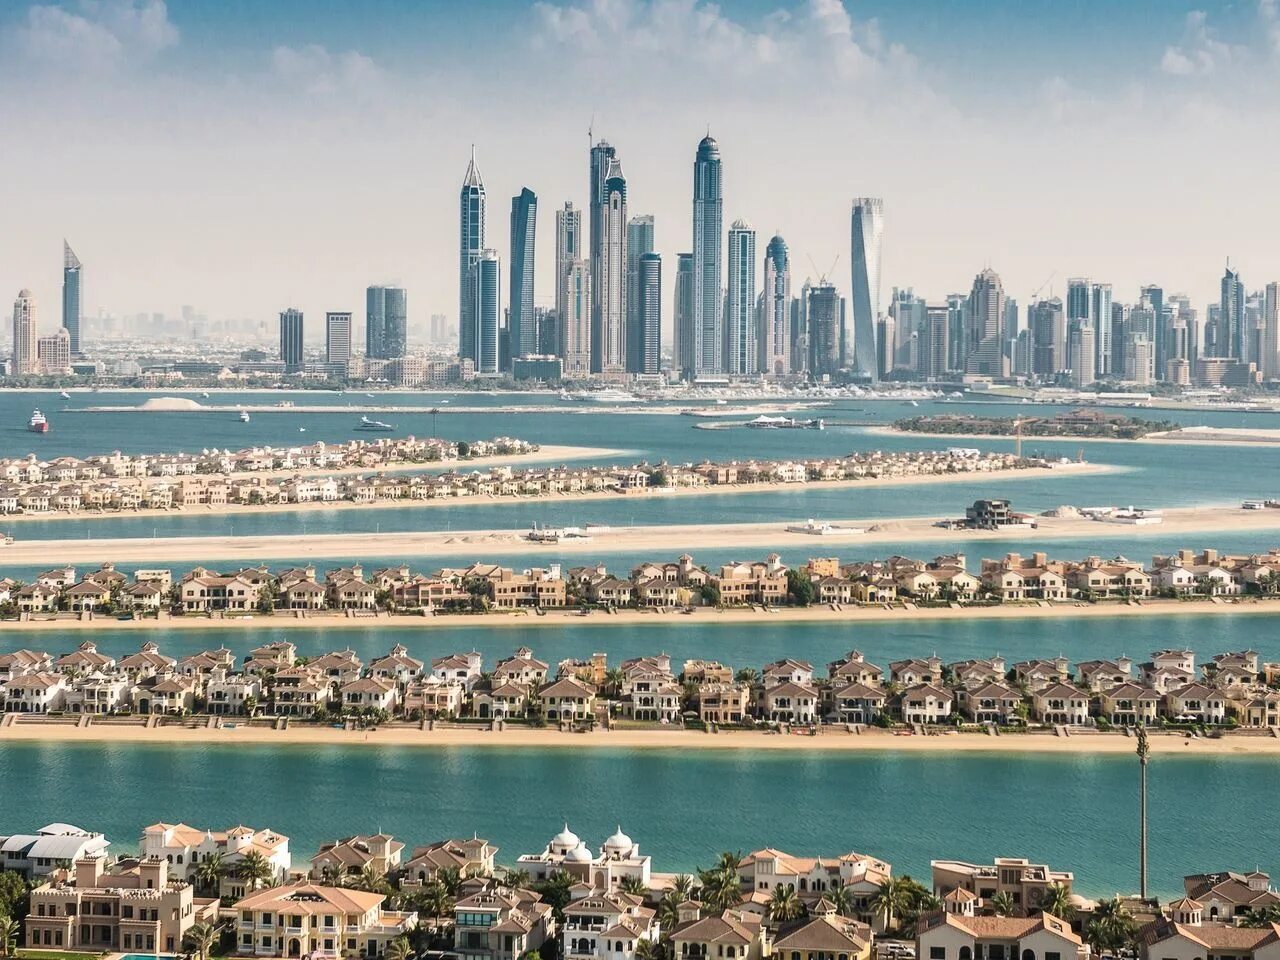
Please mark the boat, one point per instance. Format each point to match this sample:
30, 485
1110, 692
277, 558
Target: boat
302, 429
609, 395
38, 423
64, 395
820, 528
205, 394
763, 422
374, 426
244, 416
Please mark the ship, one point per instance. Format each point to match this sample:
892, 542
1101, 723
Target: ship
244, 416
64, 395
763, 422
38, 423
374, 426
608, 395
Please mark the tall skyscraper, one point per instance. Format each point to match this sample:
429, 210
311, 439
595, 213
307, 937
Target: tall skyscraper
72, 288
575, 319
609, 280
26, 326
648, 358
800, 329
521, 328
775, 311
1079, 300
824, 331
933, 343
1048, 338
568, 250
708, 232
386, 322
957, 331
1231, 327
603, 154
291, 340
484, 296
1270, 364
867, 231
984, 317
639, 243
471, 218
1100, 307
683, 342
1162, 355
337, 338
741, 346
1083, 354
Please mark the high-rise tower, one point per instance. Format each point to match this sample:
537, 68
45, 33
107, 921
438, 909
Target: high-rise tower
26, 325
867, 229
291, 340
708, 231
609, 278
72, 305
682, 343
775, 311
639, 242
522, 331
983, 317
648, 340
568, 250
471, 217
1231, 325
484, 295
741, 346
337, 339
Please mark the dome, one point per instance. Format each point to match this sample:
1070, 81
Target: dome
619, 841
741, 224
24, 294
565, 838
579, 854
708, 149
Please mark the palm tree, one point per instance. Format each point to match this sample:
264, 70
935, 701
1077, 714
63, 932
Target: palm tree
255, 870
209, 872
1002, 903
369, 880
614, 678
200, 939
721, 888
1263, 917
647, 949
451, 879
435, 902
8, 936
669, 909
331, 875
633, 885
1112, 926
682, 884
841, 899
891, 899
729, 860
517, 879
399, 949
1057, 902
784, 905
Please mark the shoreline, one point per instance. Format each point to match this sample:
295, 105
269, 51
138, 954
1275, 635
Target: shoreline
1188, 436
870, 741
660, 493
731, 616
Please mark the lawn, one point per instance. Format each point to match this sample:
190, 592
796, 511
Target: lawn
55, 955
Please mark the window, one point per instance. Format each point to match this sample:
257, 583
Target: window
937, 953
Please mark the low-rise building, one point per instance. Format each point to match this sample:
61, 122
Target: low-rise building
310, 920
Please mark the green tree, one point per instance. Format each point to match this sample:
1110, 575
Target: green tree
799, 588
255, 870
1113, 927
517, 879
1057, 902
784, 905
370, 880
1002, 903
841, 899
633, 885
669, 909
891, 899
8, 936
209, 873
399, 949
555, 892
14, 894
200, 939
682, 884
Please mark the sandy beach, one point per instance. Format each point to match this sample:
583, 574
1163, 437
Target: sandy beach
872, 740
1031, 473
744, 616
1217, 436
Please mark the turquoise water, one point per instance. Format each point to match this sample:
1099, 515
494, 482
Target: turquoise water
738, 644
682, 807
1164, 475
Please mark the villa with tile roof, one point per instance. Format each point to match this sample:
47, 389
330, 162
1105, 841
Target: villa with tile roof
310, 920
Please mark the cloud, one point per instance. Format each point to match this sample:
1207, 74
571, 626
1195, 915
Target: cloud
315, 70
1200, 51
96, 34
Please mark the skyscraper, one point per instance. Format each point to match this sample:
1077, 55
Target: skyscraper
741, 346
291, 340
984, 317
708, 231
485, 282
1048, 338
933, 342
1231, 326
683, 349
575, 318
867, 231
648, 358
26, 325
775, 310
521, 328
639, 243
800, 329
568, 250
1162, 355
1083, 354
72, 306
1100, 307
1079, 300
609, 280
386, 322
1270, 364
337, 338
824, 331
471, 217
602, 155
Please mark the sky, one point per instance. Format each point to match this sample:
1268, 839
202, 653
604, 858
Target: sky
244, 156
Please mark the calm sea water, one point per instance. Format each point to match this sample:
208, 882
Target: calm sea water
683, 807
1074, 812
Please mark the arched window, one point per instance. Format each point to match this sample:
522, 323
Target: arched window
966, 953
1028, 955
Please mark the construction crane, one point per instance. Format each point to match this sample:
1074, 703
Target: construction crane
1048, 280
822, 277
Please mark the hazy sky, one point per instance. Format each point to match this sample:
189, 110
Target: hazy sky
243, 155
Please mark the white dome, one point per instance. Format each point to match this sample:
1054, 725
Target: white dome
619, 841
565, 838
579, 854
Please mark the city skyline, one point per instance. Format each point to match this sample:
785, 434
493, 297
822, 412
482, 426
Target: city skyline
1178, 75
